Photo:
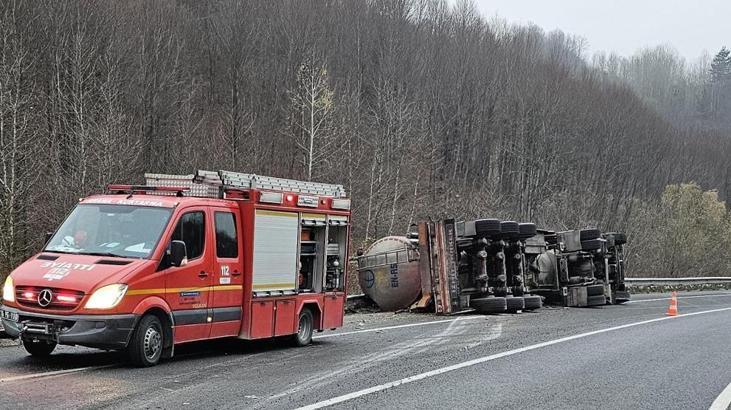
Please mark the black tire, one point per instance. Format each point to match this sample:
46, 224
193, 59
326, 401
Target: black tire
487, 227
596, 300
490, 304
514, 303
509, 230
147, 343
527, 230
305, 327
595, 291
589, 234
39, 348
591, 244
618, 238
532, 302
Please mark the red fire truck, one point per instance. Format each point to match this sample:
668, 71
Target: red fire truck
186, 258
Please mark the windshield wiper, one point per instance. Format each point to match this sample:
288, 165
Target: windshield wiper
64, 252
108, 254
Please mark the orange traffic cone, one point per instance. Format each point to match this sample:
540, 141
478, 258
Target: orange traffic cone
673, 309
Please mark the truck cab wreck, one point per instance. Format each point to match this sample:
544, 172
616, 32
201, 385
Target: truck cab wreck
577, 268
182, 259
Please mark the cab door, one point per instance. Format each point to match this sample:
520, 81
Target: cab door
188, 287
228, 278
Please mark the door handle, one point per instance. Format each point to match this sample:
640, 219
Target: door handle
235, 273
202, 274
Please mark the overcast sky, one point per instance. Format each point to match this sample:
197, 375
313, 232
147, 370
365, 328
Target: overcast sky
624, 26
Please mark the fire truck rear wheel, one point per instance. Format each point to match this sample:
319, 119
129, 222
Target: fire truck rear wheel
303, 337
147, 342
490, 304
39, 348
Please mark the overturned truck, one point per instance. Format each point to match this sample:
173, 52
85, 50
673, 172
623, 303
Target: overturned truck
451, 267
577, 268
492, 266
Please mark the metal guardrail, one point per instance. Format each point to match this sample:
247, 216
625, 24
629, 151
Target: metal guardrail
678, 281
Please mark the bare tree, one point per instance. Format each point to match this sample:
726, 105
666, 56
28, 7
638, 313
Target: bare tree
312, 111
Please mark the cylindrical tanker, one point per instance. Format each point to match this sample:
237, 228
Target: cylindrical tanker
388, 273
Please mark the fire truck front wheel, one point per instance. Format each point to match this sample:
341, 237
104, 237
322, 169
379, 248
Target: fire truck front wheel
303, 337
147, 342
39, 348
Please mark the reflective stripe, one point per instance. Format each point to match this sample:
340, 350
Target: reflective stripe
217, 288
200, 316
276, 213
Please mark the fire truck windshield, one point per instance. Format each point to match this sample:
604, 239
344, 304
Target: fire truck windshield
110, 230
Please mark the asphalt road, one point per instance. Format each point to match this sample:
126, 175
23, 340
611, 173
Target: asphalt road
627, 356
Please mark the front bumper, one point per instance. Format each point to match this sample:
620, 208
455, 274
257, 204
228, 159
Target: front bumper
103, 332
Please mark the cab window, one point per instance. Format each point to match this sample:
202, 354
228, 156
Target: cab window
191, 229
227, 245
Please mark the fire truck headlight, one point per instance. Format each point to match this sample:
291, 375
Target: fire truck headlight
9, 290
107, 297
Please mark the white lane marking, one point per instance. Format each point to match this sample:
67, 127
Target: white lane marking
379, 329
681, 297
456, 327
49, 374
723, 401
484, 359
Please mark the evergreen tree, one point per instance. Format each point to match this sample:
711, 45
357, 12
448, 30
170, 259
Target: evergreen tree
721, 66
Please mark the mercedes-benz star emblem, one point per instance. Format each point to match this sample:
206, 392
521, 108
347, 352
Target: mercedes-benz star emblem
45, 297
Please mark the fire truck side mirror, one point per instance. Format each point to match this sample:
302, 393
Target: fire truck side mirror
178, 253
48, 236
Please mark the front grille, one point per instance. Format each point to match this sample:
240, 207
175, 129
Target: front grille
59, 299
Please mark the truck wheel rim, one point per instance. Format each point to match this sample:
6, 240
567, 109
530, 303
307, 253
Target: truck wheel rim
304, 328
152, 343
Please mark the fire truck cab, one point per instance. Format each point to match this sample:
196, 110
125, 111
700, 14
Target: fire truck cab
182, 259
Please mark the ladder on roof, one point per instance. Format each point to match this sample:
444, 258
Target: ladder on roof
181, 181
238, 180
